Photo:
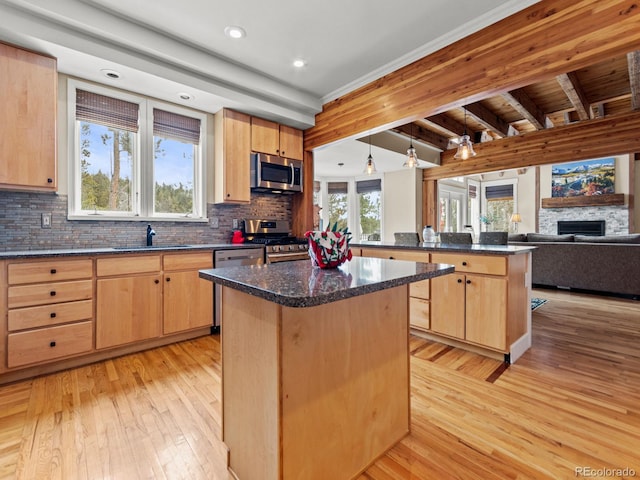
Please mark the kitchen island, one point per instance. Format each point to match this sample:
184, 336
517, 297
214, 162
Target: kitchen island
315, 365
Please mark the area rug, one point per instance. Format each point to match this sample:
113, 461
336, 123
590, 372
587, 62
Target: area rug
537, 302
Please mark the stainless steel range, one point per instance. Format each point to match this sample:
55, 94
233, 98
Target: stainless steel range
275, 235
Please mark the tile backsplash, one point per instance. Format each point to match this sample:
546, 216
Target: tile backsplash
21, 214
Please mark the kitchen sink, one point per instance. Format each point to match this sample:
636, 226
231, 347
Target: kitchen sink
145, 247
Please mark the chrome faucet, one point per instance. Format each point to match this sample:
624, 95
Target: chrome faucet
150, 233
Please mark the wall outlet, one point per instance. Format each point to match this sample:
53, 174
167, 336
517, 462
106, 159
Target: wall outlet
215, 222
45, 221
235, 223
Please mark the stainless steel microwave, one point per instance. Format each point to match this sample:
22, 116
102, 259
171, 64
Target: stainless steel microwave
270, 173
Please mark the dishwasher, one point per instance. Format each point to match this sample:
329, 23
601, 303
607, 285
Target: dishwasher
236, 257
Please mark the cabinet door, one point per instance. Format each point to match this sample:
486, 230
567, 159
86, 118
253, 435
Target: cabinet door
28, 119
265, 136
232, 157
291, 142
486, 311
448, 305
188, 302
128, 309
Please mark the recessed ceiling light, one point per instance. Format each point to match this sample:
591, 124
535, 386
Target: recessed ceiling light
233, 31
185, 96
299, 63
110, 73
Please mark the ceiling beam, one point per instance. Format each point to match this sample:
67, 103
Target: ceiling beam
423, 135
577, 141
575, 93
525, 106
533, 45
445, 123
488, 119
633, 59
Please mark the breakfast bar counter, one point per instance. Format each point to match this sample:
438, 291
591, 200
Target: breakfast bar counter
315, 365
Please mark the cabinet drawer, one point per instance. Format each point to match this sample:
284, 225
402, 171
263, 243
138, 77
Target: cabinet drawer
49, 271
420, 289
188, 261
467, 263
419, 313
47, 344
127, 264
396, 254
47, 315
47, 293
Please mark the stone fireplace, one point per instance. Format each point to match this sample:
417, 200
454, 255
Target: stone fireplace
581, 227
615, 218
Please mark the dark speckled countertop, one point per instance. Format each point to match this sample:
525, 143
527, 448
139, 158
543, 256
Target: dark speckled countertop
299, 284
444, 247
69, 252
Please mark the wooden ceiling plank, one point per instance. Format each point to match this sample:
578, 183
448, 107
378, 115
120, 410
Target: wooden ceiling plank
445, 123
525, 106
571, 86
535, 44
633, 59
577, 141
423, 135
489, 119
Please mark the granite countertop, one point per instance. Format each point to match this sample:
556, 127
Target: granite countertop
66, 252
299, 284
448, 247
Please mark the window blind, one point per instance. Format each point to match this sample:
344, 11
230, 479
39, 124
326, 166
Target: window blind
337, 187
495, 192
368, 186
176, 127
112, 112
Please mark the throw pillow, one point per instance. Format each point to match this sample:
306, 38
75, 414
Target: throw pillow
541, 237
635, 238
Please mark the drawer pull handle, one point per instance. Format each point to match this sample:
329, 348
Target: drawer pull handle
53, 271
52, 344
464, 264
53, 315
52, 293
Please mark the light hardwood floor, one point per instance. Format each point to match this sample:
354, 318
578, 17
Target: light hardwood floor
572, 401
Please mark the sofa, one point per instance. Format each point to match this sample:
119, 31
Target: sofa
605, 264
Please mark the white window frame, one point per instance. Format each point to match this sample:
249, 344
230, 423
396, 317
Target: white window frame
143, 161
491, 183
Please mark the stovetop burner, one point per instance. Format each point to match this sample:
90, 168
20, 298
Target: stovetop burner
286, 240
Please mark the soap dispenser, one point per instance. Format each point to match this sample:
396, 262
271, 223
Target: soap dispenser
428, 235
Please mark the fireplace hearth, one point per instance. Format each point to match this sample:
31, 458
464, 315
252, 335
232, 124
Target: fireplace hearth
581, 227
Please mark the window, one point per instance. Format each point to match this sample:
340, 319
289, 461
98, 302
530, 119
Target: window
499, 205
451, 206
134, 157
338, 206
369, 208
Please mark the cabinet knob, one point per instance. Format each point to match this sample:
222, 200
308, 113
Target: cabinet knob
282, 153
53, 271
468, 282
168, 279
52, 344
459, 280
464, 264
49, 180
392, 258
156, 281
53, 315
52, 293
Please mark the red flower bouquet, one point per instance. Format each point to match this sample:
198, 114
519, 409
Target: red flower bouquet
329, 248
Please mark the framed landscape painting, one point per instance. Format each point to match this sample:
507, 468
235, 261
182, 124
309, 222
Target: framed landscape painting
586, 177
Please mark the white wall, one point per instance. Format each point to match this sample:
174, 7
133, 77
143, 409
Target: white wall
402, 209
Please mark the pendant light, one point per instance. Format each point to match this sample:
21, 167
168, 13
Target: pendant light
412, 156
370, 166
465, 147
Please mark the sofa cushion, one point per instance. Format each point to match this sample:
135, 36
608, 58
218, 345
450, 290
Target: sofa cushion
517, 237
635, 238
541, 237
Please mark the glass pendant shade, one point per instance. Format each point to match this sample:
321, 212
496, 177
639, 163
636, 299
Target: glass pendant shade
370, 166
412, 158
465, 148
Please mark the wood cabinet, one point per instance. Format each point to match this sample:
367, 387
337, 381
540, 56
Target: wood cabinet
49, 310
419, 292
472, 304
128, 304
187, 299
232, 157
28, 117
275, 139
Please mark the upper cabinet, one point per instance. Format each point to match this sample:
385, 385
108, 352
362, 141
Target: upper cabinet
274, 139
232, 157
28, 92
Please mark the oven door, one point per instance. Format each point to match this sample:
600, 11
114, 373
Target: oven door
287, 257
